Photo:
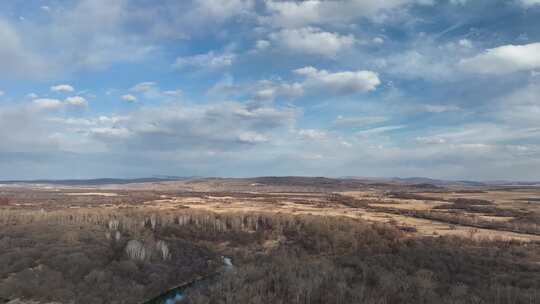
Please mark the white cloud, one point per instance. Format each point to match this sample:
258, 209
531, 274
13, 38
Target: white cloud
528, 3
487, 134
48, 103
346, 144
101, 121
16, 59
271, 90
77, 101
433, 140
465, 43
310, 40
93, 34
209, 60
151, 90
378, 40
143, 87
222, 9
292, 13
25, 129
173, 93
2, 93
32, 96
219, 126
266, 94
63, 88
425, 64
252, 137
354, 122
504, 59
521, 107
163, 130
440, 108
110, 133
346, 82
379, 130
301, 13
312, 134
262, 44
129, 98
459, 2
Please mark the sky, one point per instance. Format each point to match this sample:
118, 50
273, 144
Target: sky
135, 88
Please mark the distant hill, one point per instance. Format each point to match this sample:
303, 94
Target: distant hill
298, 181
441, 183
97, 181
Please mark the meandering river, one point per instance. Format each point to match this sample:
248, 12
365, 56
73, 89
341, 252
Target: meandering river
176, 295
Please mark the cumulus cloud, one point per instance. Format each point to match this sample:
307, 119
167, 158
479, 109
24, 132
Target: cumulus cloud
173, 93
77, 101
267, 90
143, 87
48, 103
151, 90
310, 40
312, 134
342, 83
187, 129
55, 104
251, 137
62, 88
129, 98
378, 40
100, 121
222, 9
210, 60
220, 126
262, 44
301, 13
346, 82
432, 64
504, 59
94, 34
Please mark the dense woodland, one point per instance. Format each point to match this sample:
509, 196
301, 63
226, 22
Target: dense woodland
126, 257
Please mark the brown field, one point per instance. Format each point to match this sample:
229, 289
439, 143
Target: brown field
385, 203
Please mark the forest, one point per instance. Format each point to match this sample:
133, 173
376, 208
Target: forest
129, 256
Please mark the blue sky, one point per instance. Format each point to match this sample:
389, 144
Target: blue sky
130, 88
